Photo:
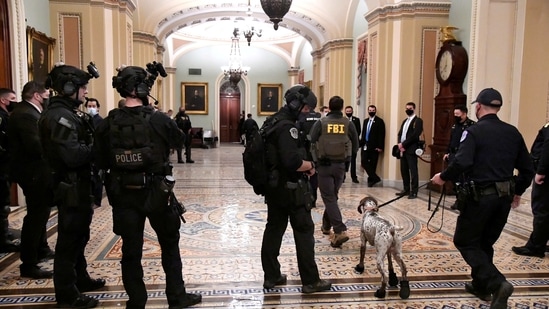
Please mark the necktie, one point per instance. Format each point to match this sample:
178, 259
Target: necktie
368, 129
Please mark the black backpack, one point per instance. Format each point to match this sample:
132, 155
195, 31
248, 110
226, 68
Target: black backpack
257, 166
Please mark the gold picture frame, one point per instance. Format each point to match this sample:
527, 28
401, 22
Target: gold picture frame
269, 99
40, 54
194, 97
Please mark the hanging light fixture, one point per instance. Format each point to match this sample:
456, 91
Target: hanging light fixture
235, 70
250, 29
276, 9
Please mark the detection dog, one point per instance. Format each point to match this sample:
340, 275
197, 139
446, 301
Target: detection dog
384, 236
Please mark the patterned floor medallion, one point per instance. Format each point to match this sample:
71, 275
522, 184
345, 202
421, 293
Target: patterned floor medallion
220, 248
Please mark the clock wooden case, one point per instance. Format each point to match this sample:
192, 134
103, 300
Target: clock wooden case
451, 68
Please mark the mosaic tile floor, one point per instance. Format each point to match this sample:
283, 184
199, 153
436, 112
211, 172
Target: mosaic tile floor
221, 241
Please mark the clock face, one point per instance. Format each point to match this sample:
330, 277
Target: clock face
445, 65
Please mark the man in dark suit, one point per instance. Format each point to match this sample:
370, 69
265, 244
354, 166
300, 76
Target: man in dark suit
372, 143
408, 138
356, 121
33, 174
249, 126
92, 106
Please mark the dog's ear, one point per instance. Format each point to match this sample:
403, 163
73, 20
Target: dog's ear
361, 205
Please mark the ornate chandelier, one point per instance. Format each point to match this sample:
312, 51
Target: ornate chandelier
235, 70
276, 9
250, 30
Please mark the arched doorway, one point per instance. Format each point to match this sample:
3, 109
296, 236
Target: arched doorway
229, 113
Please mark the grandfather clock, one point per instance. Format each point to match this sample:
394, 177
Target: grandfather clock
451, 68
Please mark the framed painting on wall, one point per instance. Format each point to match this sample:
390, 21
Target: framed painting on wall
194, 97
40, 54
269, 98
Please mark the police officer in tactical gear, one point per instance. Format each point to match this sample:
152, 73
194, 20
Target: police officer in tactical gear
133, 144
537, 242
288, 195
7, 102
334, 140
66, 136
488, 154
183, 121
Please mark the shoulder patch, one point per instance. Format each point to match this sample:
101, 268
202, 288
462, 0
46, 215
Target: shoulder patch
463, 136
64, 122
294, 133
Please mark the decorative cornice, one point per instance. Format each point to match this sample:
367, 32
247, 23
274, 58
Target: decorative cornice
406, 9
144, 37
333, 45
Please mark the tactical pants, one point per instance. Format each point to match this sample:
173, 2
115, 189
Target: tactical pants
129, 222
278, 211
73, 233
478, 227
330, 179
540, 209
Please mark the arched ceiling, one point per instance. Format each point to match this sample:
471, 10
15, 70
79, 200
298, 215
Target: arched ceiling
182, 25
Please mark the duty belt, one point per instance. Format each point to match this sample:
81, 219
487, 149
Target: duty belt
489, 190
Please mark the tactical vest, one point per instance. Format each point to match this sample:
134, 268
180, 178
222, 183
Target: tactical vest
334, 143
131, 146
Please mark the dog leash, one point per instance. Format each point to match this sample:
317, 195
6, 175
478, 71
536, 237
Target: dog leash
401, 196
442, 198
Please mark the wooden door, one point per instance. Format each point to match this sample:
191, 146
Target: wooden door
229, 115
5, 63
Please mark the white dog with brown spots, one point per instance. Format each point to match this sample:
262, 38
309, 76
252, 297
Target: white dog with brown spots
384, 236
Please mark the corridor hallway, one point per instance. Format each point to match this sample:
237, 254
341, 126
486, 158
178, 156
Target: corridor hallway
220, 247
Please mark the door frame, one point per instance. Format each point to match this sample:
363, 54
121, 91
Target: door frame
245, 98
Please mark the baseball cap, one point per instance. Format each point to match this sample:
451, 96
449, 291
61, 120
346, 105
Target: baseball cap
490, 97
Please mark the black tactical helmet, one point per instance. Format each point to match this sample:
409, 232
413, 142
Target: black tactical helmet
298, 96
132, 78
66, 79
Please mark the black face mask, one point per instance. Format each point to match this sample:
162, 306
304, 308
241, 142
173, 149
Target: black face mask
372, 114
409, 112
11, 106
45, 102
457, 119
349, 114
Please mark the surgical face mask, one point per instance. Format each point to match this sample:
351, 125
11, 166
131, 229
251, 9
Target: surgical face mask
92, 111
409, 112
349, 114
372, 114
457, 119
